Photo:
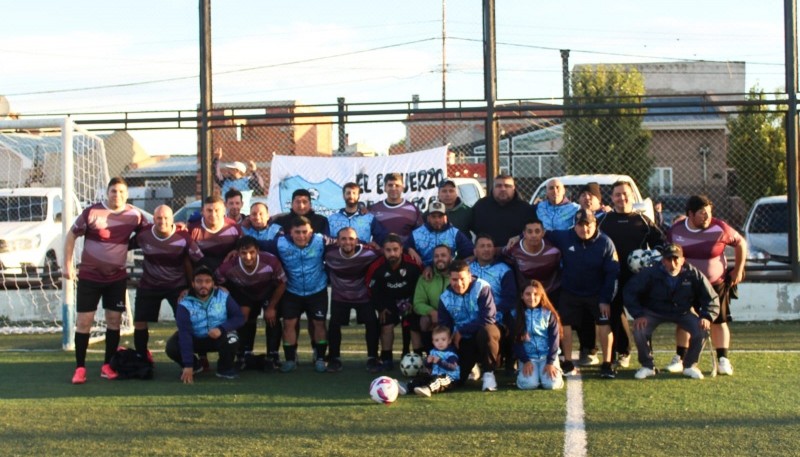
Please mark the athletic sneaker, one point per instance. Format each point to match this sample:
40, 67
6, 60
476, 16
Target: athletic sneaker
387, 365
569, 369
197, 367
693, 372
374, 365
645, 372
423, 391
676, 365
288, 366
334, 366
229, 374
149, 356
320, 366
489, 382
624, 360
475, 374
402, 388
725, 366
107, 372
588, 359
80, 376
607, 371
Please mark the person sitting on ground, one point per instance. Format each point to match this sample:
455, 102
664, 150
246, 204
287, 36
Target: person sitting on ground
442, 364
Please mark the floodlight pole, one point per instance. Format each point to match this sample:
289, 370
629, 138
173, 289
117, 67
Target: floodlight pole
790, 37
206, 104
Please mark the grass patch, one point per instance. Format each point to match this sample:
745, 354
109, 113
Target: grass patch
304, 413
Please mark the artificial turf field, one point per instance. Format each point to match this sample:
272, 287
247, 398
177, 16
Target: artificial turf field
754, 412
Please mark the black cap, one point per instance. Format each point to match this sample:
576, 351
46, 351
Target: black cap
447, 182
672, 251
584, 216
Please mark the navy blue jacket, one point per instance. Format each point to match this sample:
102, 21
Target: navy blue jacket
590, 267
655, 290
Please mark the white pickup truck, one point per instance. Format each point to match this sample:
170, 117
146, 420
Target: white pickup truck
573, 184
31, 241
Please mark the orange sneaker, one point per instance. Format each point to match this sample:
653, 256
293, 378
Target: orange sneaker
80, 376
107, 372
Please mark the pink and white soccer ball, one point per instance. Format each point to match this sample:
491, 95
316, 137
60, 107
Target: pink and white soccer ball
383, 389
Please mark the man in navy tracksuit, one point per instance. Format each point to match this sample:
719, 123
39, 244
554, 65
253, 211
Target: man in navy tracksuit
588, 284
672, 291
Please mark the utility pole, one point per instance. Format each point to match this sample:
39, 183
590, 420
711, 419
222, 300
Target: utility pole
205, 99
490, 93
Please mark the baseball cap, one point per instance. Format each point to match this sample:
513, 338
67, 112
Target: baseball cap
672, 251
437, 207
447, 182
584, 216
237, 166
593, 188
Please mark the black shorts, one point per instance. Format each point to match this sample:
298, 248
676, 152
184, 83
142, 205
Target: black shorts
340, 312
412, 321
724, 305
572, 308
148, 303
315, 305
90, 293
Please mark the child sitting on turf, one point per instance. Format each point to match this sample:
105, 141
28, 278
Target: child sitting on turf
538, 332
442, 363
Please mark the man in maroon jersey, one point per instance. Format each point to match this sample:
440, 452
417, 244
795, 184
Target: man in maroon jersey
347, 266
256, 281
395, 213
106, 228
534, 258
214, 234
703, 239
166, 272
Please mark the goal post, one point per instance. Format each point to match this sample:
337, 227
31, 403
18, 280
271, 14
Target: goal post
50, 168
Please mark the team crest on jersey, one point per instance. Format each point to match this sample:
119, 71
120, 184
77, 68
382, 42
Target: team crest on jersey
326, 196
403, 272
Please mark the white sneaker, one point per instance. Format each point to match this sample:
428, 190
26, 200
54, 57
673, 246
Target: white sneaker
624, 360
725, 366
489, 382
475, 374
402, 388
423, 391
676, 365
644, 372
693, 372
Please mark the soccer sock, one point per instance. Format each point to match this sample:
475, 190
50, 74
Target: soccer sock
81, 345
427, 340
112, 343
418, 351
290, 352
322, 346
722, 352
681, 350
248, 336
140, 339
386, 356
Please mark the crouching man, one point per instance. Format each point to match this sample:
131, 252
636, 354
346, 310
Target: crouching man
672, 291
207, 319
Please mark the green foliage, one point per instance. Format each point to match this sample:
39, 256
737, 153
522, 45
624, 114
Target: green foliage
757, 149
607, 140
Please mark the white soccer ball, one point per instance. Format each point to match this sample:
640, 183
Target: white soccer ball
410, 364
642, 258
384, 389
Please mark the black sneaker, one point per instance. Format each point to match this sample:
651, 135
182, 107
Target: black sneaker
607, 371
374, 365
334, 365
569, 369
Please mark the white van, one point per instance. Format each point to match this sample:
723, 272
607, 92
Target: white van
574, 183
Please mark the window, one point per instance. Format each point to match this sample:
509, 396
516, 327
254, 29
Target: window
660, 182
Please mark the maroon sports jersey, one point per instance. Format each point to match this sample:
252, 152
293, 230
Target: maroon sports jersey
401, 219
705, 249
164, 258
347, 274
254, 288
543, 265
214, 246
106, 236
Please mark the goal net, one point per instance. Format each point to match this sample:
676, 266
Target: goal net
49, 170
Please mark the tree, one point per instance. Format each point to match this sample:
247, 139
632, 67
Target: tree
600, 137
757, 149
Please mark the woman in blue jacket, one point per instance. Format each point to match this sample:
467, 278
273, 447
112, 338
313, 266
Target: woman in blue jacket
538, 331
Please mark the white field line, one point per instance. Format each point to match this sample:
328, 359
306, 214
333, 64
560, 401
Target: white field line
574, 427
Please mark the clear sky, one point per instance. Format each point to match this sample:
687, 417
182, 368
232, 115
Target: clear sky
93, 56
